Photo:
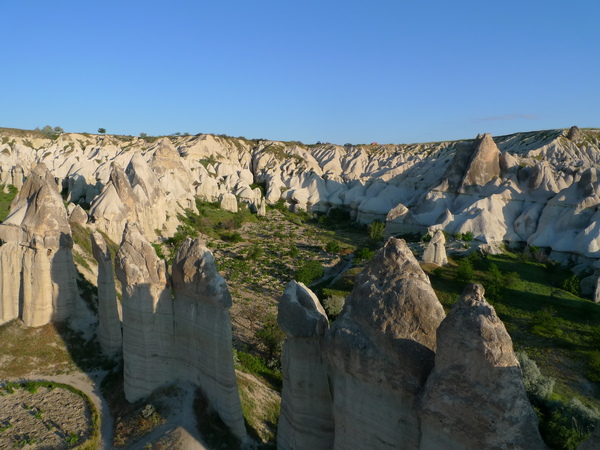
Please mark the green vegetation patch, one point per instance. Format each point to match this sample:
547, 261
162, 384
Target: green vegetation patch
6, 199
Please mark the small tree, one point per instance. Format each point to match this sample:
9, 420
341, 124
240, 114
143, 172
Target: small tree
376, 230
333, 247
102, 130
465, 271
271, 336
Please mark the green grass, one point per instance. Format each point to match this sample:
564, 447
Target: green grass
5, 200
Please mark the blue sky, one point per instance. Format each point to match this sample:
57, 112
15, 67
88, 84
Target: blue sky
336, 71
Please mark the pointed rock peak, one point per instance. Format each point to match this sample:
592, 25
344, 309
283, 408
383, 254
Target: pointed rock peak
100, 248
484, 164
300, 313
393, 297
574, 133
165, 149
136, 261
121, 183
475, 397
195, 275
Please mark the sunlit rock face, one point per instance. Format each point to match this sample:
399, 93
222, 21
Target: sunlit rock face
475, 397
435, 252
36, 262
306, 419
380, 351
202, 345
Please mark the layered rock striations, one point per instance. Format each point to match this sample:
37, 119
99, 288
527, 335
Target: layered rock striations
306, 418
475, 397
202, 340
147, 315
179, 328
37, 270
380, 351
109, 309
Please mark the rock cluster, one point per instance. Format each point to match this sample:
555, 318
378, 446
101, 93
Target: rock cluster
37, 273
400, 374
183, 336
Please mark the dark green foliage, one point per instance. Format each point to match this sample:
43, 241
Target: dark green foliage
571, 285
234, 236
309, 272
332, 247
102, 130
336, 218
465, 271
271, 336
376, 230
255, 251
6, 199
426, 237
294, 252
537, 386
257, 366
363, 255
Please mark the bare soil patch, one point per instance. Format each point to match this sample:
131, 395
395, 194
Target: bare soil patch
46, 419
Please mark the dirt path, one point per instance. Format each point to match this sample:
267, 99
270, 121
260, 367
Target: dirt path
89, 384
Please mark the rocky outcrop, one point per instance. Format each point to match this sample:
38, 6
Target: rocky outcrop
37, 270
202, 341
147, 314
435, 252
177, 330
475, 397
380, 351
484, 165
229, 203
306, 418
109, 309
593, 442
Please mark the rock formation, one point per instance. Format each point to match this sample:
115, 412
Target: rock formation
475, 397
380, 351
593, 442
178, 335
109, 309
306, 418
37, 270
435, 252
147, 314
484, 165
202, 344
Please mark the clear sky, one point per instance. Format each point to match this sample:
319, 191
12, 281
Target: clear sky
338, 71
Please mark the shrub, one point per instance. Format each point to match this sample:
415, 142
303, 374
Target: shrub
376, 230
426, 237
254, 252
465, 271
333, 306
294, 252
363, 255
571, 285
468, 236
309, 272
271, 336
333, 247
537, 386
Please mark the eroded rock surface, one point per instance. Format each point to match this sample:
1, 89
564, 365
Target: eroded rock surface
435, 252
475, 397
36, 263
306, 418
380, 351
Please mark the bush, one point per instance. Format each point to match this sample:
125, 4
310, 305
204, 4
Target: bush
537, 386
376, 230
571, 285
254, 252
465, 271
294, 252
333, 247
333, 306
426, 237
271, 336
363, 255
309, 272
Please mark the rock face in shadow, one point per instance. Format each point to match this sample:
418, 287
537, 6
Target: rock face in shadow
475, 397
179, 329
147, 314
593, 442
306, 419
435, 252
380, 351
202, 332
109, 309
36, 263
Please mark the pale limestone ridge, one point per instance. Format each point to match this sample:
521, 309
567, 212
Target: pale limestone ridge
380, 351
37, 270
306, 418
202, 332
109, 309
475, 397
147, 314
435, 252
